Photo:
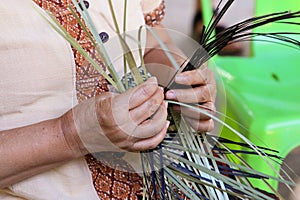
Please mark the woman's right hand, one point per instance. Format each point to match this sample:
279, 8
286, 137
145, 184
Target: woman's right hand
132, 121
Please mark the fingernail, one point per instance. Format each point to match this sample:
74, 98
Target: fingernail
171, 94
167, 124
166, 104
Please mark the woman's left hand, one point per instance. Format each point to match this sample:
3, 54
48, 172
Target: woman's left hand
202, 90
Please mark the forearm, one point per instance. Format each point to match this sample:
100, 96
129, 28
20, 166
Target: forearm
26, 174
33, 149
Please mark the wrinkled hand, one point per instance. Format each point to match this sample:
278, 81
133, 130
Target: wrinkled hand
132, 121
202, 91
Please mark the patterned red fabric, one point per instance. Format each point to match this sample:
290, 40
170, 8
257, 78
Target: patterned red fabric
156, 16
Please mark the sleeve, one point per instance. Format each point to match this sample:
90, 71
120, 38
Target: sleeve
154, 11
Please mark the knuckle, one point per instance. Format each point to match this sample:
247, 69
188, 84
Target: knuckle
152, 105
129, 145
202, 97
210, 106
204, 94
104, 106
146, 90
151, 102
207, 90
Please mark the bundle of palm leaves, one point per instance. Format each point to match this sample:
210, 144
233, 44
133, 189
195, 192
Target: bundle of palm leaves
188, 164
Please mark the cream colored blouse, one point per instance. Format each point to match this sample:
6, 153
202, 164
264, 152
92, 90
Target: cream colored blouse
37, 82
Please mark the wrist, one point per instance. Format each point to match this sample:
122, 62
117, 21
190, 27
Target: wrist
71, 136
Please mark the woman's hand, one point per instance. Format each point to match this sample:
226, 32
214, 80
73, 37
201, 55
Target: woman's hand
202, 90
132, 121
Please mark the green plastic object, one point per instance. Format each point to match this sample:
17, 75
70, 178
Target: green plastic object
263, 90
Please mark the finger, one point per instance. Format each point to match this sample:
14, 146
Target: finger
209, 107
199, 94
199, 114
195, 77
148, 108
202, 126
152, 142
134, 121
153, 125
138, 95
